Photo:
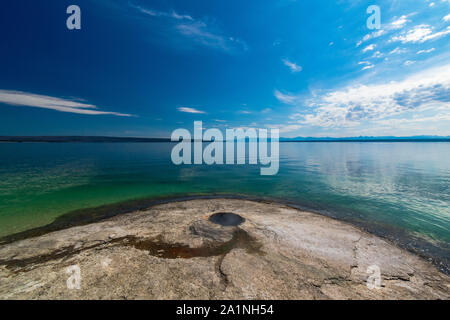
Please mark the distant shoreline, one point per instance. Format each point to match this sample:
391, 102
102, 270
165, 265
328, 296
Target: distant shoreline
101, 139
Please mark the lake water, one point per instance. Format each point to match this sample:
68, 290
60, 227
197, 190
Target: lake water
401, 190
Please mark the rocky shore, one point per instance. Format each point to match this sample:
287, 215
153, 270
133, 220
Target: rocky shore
215, 249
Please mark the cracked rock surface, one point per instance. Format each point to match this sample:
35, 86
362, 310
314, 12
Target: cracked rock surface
175, 251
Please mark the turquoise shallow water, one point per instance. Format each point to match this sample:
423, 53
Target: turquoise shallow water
395, 187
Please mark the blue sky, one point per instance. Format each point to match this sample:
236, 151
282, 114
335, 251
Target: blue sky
144, 68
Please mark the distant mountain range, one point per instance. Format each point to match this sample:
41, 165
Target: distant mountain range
86, 139
362, 138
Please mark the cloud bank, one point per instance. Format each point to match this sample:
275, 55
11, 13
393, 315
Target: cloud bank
428, 90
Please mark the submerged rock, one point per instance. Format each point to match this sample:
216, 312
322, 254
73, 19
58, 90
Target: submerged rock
215, 249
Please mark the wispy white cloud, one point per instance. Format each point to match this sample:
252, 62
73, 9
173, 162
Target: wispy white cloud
377, 54
155, 13
292, 65
201, 34
399, 23
369, 48
366, 65
398, 50
370, 66
286, 98
370, 36
18, 98
396, 24
181, 17
190, 110
446, 18
197, 30
426, 51
420, 34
